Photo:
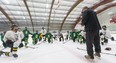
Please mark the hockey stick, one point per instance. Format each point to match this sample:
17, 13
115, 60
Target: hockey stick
114, 40
32, 47
101, 52
39, 43
64, 42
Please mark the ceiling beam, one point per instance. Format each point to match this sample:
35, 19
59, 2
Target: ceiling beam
50, 15
6, 15
25, 2
93, 7
101, 3
73, 6
105, 8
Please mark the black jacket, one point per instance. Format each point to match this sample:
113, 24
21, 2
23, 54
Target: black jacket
90, 20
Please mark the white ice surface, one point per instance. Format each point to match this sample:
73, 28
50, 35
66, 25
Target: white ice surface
59, 53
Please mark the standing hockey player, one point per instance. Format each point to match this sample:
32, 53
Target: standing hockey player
26, 36
11, 40
35, 37
92, 27
105, 33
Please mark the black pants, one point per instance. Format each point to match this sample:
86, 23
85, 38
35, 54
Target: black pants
61, 39
44, 37
105, 40
74, 38
93, 38
36, 40
66, 37
9, 43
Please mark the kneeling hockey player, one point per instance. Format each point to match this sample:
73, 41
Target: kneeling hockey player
61, 37
49, 37
3, 43
26, 36
105, 33
73, 35
11, 40
35, 37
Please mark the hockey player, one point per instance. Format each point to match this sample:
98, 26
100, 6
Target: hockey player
26, 36
81, 37
54, 35
61, 38
2, 36
20, 37
3, 43
67, 35
49, 37
78, 35
35, 37
11, 40
40, 36
43, 31
106, 34
73, 35
102, 38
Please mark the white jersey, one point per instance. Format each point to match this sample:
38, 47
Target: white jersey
106, 33
20, 35
10, 35
43, 32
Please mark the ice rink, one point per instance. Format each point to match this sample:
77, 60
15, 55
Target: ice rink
59, 53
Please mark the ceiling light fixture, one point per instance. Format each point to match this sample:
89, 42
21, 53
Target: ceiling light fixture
6, 1
23, 17
114, 1
110, 13
19, 12
47, 5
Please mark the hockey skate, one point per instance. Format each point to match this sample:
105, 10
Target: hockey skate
98, 56
1, 52
90, 58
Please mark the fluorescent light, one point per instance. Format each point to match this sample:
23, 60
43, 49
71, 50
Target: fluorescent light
6, 1
23, 17
110, 13
95, 10
114, 1
47, 5
18, 12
